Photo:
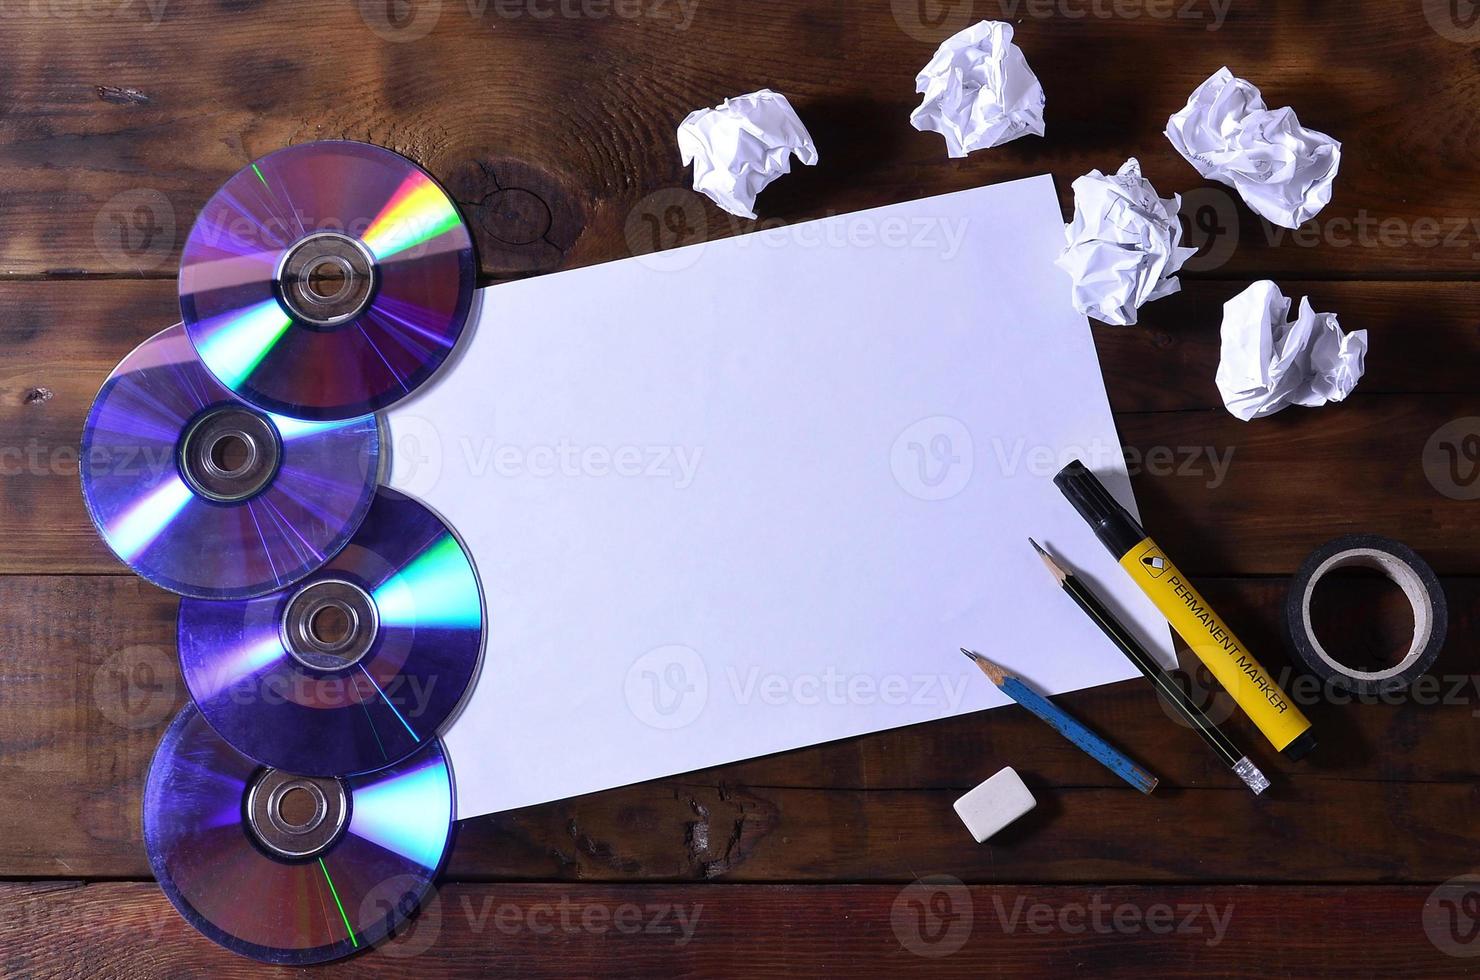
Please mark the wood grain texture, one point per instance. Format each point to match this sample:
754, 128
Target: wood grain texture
933, 928
556, 135
1225, 497
554, 129
93, 683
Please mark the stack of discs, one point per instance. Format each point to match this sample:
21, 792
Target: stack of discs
330, 627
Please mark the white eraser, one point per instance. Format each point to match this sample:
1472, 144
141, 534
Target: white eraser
995, 804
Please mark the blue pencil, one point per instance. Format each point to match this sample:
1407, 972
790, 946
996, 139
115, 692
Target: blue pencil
1066, 725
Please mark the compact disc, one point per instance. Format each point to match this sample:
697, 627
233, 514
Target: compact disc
287, 868
207, 496
327, 280
352, 668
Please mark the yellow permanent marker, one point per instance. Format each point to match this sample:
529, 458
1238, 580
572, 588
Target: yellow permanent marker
1188, 612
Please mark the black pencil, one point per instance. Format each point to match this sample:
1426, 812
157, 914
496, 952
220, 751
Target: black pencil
1086, 599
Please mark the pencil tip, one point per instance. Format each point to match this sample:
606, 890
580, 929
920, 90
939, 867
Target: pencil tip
1053, 566
996, 673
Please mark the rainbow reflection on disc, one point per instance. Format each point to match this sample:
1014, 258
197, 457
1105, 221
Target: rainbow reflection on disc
207, 496
280, 881
327, 280
354, 667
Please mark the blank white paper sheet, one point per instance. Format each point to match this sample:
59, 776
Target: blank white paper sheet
754, 494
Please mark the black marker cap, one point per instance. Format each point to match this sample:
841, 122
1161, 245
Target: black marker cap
1112, 523
1301, 747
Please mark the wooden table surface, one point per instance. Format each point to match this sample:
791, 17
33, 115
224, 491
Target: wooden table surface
553, 121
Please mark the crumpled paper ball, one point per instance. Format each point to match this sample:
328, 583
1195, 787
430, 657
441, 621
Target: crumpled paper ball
741, 145
1123, 246
1267, 363
979, 90
1282, 170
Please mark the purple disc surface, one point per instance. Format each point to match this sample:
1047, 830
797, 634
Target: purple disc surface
327, 280
376, 848
354, 667
206, 496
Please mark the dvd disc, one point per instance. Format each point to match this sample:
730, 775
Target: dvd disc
327, 280
206, 496
286, 868
356, 666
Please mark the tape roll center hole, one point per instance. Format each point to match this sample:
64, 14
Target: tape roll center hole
1361, 611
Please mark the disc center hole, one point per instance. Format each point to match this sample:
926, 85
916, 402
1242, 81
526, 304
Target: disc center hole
295, 816
232, 454
298, 808
331, 625
329, 278
326, 279
229, 454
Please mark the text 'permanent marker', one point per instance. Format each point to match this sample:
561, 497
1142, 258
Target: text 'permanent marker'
1184, 607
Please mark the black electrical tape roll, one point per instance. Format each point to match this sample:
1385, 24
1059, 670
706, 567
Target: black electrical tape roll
1408, 571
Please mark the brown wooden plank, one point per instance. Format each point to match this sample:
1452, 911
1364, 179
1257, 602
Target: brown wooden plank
1228, 497
91, 683
1423, 336
554, 130
556, 135
61, 346
931, 928
1298, 479
92, 678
